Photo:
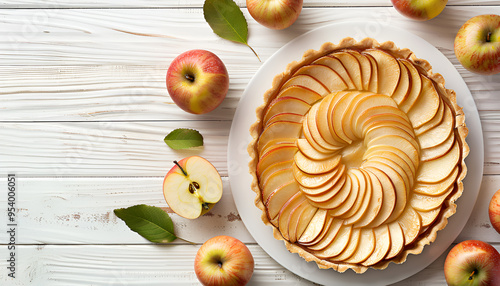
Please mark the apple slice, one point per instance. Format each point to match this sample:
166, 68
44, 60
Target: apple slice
324, 75
306, 81
374, 82
439, 169
286, 116
312, 181
314, 228
365, 248
359, 178
277, 144
341, 113
397, 240
313, 123
328, 190
428, 217
330, 235
337, 66
387, 151
389, 197
300, 92
435, 152
286, 105
410, 223
276, 199
404, 85
337, 244
323, 232
279, 154
434, 121
331, 253
308, 150
336, 200
299, 219
286, 211
309, 166
192, 187
361, 212
416, 87
383, 244
388, 71
426, 106
278, 166
437, 189
280, 129
275, 180
366, 68
351, 199
325, 127
426, 203
440, 133
351, 64
406, 144
376, 202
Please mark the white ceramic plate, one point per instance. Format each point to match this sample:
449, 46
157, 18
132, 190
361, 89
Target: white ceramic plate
238, 157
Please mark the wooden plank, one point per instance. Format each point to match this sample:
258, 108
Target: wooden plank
80, 211
199, 3
54, 68
158, 265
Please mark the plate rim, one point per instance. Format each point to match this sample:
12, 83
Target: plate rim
237, 167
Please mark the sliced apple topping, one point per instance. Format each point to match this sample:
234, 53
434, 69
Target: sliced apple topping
275, 180
285, 116
404, 85
365, 248
336, 65
278, 197
286, 105
416, 87
388, 71
351, 199
352, 66
299, 220
440, 133
382, 246
286, 211
330, 235
426, 106
279, 154
332, 254
316, 166
314, 227
334, 244
397, 240
300, 92
324, 75
437, 170
307, 81
366, 68
281, 129
410, 223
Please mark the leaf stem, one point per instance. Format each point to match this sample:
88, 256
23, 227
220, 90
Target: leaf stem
190, 242
254, 52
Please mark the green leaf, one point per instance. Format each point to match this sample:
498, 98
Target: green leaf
183, 138
227, 21
150, 222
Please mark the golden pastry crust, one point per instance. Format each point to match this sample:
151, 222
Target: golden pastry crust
428, 233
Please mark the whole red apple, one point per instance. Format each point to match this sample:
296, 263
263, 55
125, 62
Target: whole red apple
197, 81
420, 10
275, 14
494, 211
477, 44
224, 261
472, 262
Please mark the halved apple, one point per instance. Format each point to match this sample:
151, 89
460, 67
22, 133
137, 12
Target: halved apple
192, 187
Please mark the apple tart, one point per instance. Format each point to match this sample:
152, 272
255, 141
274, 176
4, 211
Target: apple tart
358, 155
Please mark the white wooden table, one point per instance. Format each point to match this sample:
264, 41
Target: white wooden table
83, 114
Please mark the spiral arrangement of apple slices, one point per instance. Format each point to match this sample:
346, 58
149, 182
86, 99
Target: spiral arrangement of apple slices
358, 156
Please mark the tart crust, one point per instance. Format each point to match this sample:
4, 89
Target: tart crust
448, 207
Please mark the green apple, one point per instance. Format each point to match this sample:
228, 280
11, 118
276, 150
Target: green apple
197, 81
421, 10
472, 263
477, 44
192, 187
224, 261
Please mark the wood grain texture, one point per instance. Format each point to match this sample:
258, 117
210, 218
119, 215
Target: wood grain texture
199, 3
80, 211
152, 265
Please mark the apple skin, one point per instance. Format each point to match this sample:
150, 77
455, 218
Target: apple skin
477, 44
197, 81
420, 10
275, 14
177, 189
494, 211
224, 261
472, 262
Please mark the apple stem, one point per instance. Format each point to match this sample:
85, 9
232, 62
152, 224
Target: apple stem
472, 275
254, 52
184, 172
488, 37
189, 77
